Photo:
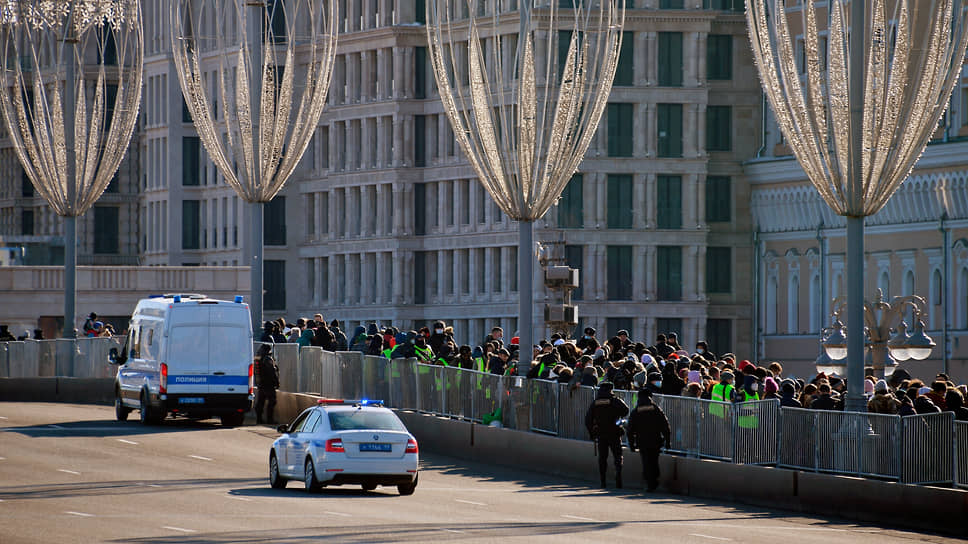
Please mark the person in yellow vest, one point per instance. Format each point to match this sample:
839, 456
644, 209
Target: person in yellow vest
723, 392
423, 352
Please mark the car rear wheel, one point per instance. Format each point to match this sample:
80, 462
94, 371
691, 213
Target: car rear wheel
149, 415
312, 484
120, 410
275, 479
369, 487
408, 489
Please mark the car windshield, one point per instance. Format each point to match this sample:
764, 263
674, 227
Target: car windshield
362, 419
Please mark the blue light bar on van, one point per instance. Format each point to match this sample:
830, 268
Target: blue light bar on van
238, 299
177, 299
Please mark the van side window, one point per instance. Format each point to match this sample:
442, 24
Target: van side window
145, 343
135, 342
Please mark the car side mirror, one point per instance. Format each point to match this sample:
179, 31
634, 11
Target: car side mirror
113, 357
283, 428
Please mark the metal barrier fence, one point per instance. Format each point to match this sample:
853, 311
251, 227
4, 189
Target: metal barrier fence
910, 449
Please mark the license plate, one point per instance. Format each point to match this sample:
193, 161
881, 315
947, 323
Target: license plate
372, 446
191, 400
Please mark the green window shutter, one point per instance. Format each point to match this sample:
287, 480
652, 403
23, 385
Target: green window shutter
718, 199
574, 257
619, 274
665, 325
420, 140
564, 41
669, 272
420, 12
274, 225
27, 224
274, 274
191, 224
191, 161
570, 204
420, 72
419, 209
719, 57
419, 277
669, 125
719, 335
719, 270
670, 4
625, 71
619, 201
669, 202
719, 128
620, 122
670, 59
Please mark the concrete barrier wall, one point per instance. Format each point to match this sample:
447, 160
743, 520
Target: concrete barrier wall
57, 389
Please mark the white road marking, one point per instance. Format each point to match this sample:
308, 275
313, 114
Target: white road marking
200, 458
133, 443
453, 531
69, 471
3, 417
339, 514
179, 529
56, 427
711, 537
240, 498
470, 502
81, 514
154, 485
3, 458
578, 518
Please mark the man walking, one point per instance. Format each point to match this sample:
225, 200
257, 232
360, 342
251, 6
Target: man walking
648, 431
602, 422
268, 383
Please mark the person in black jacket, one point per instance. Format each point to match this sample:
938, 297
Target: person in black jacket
602, 422
268, 383
648, 431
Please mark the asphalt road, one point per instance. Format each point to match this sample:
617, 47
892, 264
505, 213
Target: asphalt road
71, 474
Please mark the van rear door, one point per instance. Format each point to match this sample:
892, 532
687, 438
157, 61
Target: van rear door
230, 349
188, 349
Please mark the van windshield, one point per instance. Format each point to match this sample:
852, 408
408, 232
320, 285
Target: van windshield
359, 420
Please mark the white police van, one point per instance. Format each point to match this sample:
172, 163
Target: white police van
186, 355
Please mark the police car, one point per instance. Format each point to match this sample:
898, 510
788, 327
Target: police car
340, 442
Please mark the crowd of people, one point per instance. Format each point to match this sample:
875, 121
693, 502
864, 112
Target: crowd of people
663, 367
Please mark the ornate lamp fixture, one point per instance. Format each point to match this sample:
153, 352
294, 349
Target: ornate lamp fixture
525, 105
859, 112
72, 74
269, 66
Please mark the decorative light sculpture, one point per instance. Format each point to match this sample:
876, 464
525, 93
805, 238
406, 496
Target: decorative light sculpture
72, 73
525, 105
859, 115
255, 76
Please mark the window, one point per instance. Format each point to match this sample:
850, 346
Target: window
670, 4
114, 183
666, 325
191, 161
719, 270
419, 140
718, 128
719, 335
615, 324
420, 12
420, 72
191, 224
620, 120
570, 204
564, 42
670, 59
27, 222
26, 187
419, 277
419, 209
669, 273
105, 230
186, 113
274, 285
625, 71
719, 57
669, 124
619, 201
619, 274
718, 199
274, 226
574, 256
669, 202
277, 20
725, 5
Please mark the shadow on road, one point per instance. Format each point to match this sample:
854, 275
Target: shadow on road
121, 487
396, 532
108, 428
295, 489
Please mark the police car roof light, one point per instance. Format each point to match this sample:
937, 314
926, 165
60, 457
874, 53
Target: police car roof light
177, 299
238, 299
330, 401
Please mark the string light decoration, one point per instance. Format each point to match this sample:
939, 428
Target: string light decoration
269, 65
524, 106
857, 107
72, 74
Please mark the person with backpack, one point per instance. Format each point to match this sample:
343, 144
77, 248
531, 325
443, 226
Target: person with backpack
268, 376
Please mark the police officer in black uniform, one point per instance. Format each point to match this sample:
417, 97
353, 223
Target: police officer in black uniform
602, 422
268, 383
648, 431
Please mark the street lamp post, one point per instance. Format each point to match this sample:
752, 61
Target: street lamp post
885, 331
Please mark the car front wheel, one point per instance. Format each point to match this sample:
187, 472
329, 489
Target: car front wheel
275, 479
120, 410
312, 484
